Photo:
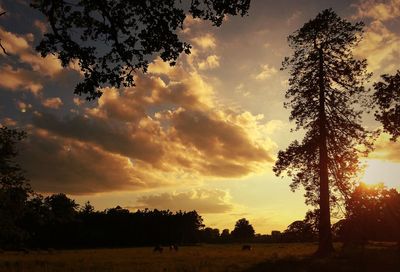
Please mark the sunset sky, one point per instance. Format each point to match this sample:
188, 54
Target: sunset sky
203, 135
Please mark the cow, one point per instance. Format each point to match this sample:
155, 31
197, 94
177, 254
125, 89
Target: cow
173, 247
158, 248
246, 247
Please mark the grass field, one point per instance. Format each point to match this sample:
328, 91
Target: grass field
262, 257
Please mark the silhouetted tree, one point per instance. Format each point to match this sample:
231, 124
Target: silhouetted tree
14, 189
209, 235
299, 231
225, 236
63, 209
325, 84
243, 230
373, 213
387, 98
87, 208
111, 40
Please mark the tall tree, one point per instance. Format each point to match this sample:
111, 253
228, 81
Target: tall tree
387, 98
111, 40
326, 82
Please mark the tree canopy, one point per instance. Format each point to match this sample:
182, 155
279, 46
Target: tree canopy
243, 230
326, 82
111, 40
387, 98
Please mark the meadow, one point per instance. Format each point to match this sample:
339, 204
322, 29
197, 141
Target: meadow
263, 257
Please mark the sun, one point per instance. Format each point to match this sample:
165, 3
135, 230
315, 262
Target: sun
377, 171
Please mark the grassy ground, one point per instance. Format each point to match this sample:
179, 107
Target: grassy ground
263, 257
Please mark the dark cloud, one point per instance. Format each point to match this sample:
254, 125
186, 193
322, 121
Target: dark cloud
217, 137
56, 164
113, 137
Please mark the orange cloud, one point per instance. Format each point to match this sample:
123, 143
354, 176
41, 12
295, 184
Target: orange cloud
20, 45
18, 79
8, 122
381, 47
53, 103
378, 10
206, 41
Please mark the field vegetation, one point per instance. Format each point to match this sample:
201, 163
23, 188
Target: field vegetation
261, 257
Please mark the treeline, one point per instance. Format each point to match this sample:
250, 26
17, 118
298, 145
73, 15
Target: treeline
58, 222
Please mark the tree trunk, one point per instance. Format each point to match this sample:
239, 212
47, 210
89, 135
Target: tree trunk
325, 247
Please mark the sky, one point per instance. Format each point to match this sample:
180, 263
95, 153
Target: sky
202, 135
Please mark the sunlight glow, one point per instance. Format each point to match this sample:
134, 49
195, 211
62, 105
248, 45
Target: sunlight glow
377, 171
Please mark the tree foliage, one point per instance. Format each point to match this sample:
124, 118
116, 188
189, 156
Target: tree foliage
112, 40
243, 230
14, 188
373, 214
387, 98
326, 82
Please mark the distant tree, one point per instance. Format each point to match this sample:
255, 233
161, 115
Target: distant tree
63, 209
111, 40
243, 230
299, 231
387, 98
209, 235
225, 235
87, 208
325, 90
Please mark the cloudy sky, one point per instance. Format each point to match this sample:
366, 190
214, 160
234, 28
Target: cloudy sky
203, 135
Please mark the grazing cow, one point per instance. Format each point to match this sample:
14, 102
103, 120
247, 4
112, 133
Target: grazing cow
173, 247
158, 248
246, 247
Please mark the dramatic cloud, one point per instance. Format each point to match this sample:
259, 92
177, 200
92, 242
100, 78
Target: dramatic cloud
56, 164
169, 124
201, 200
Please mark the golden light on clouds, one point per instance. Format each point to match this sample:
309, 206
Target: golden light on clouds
203, 134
